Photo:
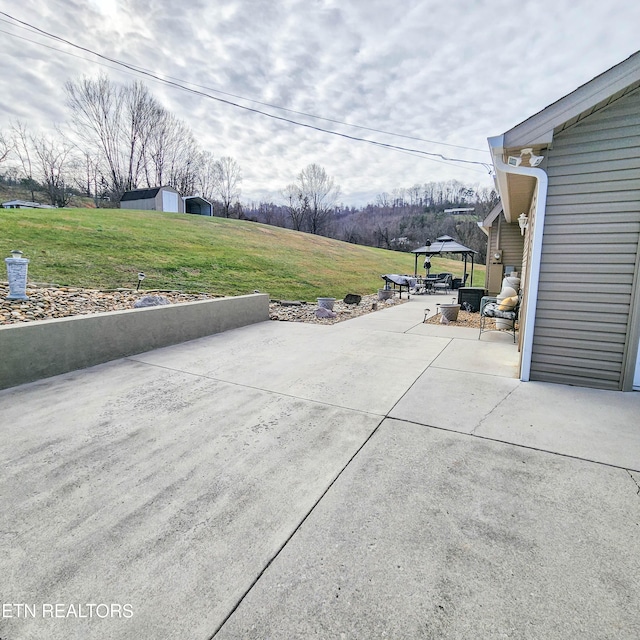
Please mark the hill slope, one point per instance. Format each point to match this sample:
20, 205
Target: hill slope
106, 248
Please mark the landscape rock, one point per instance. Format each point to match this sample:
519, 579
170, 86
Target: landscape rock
50, 301
352, 298
321, 312
150, 301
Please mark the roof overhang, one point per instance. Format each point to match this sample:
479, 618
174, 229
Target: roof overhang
516, 188
486, 224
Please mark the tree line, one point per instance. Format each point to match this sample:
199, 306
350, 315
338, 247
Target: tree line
119, 138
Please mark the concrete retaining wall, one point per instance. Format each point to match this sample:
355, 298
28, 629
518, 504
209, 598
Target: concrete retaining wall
46, 348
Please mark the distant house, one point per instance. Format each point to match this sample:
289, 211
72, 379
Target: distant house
569, 220
197, 206
24, 204
157, 199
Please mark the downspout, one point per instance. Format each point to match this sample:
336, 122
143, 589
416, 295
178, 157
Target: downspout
542, 182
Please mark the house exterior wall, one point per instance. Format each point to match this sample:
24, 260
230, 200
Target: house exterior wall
511, 243
588, 274
508, 238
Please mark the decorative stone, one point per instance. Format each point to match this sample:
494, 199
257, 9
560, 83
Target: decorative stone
352, 298
321, 312
150, 301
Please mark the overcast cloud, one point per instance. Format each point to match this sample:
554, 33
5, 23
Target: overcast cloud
454, 72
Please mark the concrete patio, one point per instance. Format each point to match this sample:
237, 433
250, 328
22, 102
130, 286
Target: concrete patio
378, 478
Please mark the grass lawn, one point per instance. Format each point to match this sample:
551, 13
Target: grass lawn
106, 248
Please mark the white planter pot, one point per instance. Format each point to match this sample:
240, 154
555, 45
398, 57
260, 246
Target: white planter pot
326, 303
450, 311
385, 294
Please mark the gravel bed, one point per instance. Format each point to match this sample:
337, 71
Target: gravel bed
306, 312
46, 302
465, 319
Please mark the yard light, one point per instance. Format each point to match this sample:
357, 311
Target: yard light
17, 276
141, 277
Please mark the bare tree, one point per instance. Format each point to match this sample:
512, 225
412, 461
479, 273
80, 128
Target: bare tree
321, 193
297, 206
86, 176
117, 122
5, 146
21, 145
227, 183
51, 161
96, 107
207, 175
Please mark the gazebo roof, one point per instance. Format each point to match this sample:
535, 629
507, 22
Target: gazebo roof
444, 244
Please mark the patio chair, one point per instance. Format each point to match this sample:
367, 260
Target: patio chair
506, 311
444, 284
459, 282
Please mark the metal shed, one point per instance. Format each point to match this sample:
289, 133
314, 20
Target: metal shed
156, 199
197, 205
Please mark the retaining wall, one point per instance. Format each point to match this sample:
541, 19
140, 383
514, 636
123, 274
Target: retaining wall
40, 349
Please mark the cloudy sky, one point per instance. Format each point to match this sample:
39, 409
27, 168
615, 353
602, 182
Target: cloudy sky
444, 73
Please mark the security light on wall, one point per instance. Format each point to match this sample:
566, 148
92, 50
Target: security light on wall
534, 160
514, 161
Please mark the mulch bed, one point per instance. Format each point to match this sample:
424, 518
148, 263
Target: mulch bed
465, 319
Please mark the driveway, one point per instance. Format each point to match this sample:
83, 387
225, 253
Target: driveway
378, 478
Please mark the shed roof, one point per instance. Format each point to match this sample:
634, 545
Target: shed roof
140, 194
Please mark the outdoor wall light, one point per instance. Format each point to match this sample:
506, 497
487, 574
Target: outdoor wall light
523, 221
534, 160
141, 277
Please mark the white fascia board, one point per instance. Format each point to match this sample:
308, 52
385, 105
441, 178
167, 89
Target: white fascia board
486, 224
496, 147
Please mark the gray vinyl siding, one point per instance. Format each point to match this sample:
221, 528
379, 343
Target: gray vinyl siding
507, 237
511, 243
590, 247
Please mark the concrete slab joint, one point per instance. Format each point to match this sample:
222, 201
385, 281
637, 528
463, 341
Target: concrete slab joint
41, 349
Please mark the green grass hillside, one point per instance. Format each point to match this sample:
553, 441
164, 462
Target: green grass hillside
105, 249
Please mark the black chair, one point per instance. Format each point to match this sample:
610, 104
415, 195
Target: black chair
444, 284
491, 308
459, 282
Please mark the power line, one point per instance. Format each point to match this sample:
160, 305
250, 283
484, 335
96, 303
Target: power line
426, 154
274, 106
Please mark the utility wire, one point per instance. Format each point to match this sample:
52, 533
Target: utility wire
426, 154
267, 104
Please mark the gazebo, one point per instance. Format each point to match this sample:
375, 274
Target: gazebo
445, 244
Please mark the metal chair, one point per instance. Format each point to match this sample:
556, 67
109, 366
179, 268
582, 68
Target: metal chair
445, 284
491, 308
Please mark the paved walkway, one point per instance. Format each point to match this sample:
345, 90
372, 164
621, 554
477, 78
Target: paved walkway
378, 478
